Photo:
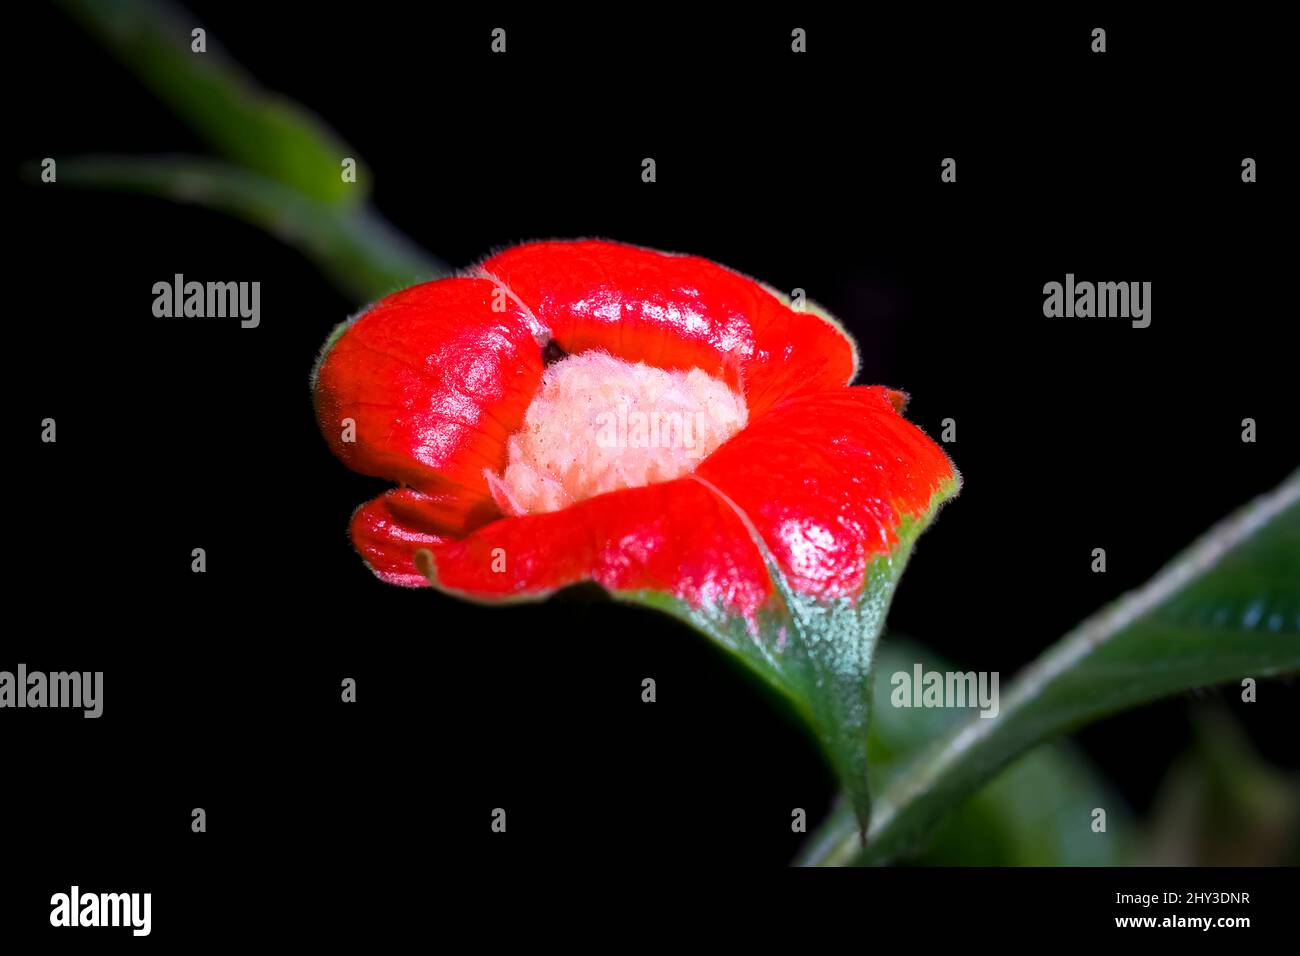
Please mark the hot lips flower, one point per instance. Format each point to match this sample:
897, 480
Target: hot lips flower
658, 424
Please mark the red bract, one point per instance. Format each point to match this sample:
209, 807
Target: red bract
435, 380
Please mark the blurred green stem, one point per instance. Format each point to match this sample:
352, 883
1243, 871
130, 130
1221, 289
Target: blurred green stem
361, 252
283, 168
254, 128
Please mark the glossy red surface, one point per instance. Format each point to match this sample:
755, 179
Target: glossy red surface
436, 381
675, 311
826, 478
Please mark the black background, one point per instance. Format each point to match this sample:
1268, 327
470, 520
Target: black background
819, 171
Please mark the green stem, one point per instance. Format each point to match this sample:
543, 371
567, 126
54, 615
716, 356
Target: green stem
254, 128
364, 255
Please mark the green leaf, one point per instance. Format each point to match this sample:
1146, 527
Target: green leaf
359, 251
263, 132
1226, 608
1035, 813
817, 653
